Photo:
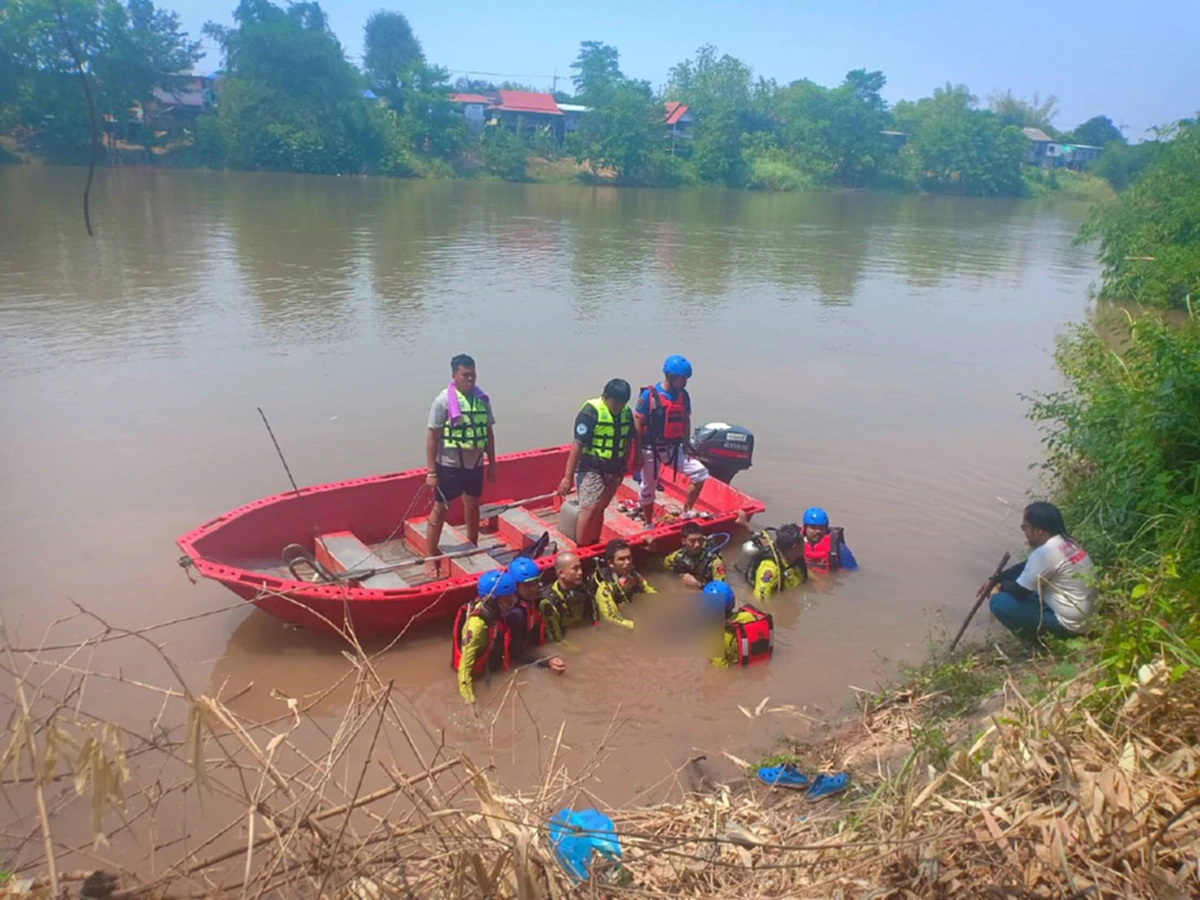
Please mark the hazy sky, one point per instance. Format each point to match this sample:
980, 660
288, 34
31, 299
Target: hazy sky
1136, 62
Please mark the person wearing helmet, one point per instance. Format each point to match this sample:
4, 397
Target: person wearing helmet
566, 602
825, 548
749, 633
524, 620
481, 638
663, 416
695, 562
604, 451
615, 582
773, 560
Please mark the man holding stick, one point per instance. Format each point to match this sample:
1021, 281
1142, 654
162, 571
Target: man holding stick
1052, 591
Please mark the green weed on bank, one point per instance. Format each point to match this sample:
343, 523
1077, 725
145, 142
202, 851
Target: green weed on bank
1123, 457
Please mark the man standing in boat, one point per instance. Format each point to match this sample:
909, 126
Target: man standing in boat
604, 450
459, 447
664, 420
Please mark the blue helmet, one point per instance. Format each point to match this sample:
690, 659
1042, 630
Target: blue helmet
496, 583
523, 569
814, 515
678, 366
717, 598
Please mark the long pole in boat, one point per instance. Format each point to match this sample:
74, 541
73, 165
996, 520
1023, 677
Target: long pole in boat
283, 460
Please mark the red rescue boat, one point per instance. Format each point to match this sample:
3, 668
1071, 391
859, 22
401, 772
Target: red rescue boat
368, 535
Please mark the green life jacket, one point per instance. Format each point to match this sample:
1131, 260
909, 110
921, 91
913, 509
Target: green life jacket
609, 440
470, 432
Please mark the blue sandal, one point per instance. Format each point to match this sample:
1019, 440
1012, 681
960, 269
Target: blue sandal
825, 785
785, 775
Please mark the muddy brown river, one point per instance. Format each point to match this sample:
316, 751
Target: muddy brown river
875, 345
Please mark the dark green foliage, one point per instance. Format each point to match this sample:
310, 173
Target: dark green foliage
1121, 163
622, 138
391, 51
1097, 131
504, 154
128, 49
291, 101
1123, 450
1150, 235
957, 148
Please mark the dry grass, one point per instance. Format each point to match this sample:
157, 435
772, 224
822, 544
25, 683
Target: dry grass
1045, 802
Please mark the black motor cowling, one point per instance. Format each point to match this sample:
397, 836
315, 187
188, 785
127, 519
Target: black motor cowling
724, 449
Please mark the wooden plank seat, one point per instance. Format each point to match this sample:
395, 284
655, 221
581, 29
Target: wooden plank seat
451, 541
342, 551
522, 528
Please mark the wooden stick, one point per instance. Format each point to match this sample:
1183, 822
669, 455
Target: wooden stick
979, 598
492, 509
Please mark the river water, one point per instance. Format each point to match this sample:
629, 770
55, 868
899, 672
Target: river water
875, 345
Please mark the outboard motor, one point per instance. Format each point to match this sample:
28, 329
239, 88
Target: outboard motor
724, 449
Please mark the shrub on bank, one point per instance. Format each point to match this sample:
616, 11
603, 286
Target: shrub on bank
1123, 452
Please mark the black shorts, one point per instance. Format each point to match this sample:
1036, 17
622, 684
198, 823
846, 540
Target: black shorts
454, 482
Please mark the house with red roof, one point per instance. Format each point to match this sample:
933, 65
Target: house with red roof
679, 120
524, 112
527, 111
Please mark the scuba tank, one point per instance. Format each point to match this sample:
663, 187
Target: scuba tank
760, 546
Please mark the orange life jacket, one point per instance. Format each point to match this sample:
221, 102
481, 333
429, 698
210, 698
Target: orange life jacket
826, 554
498, 639
755, 640
667, 422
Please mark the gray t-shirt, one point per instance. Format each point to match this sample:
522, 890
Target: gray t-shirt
455, 457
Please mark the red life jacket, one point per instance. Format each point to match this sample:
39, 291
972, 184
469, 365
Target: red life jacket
667, 422
498, 638
535, 625
826, 554
755, 640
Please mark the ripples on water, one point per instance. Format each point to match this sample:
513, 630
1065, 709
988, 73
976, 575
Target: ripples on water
874, 344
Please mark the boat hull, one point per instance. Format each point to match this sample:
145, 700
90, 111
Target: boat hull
241, 549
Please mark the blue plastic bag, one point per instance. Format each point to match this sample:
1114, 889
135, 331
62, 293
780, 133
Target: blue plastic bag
576, 836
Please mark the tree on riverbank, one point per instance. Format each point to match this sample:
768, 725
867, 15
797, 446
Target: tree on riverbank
1150, 235
128, 50
290, 100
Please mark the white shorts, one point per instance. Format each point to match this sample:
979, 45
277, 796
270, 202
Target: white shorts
688, 465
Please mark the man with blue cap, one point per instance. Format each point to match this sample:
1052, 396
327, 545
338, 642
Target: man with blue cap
663, 417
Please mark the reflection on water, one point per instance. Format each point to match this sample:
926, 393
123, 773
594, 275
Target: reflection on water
876, 346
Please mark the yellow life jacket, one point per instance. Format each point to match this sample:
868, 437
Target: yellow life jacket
609, 439
469, 432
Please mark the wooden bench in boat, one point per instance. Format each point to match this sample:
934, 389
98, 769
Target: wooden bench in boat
341, 551
451, 541
521, 527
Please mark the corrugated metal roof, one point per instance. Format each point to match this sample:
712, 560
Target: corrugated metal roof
1037, 135
528, 101
194, 99
468, 98
675, 111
